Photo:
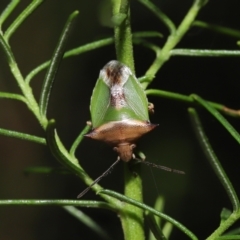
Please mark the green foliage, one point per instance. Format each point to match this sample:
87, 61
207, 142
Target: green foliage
129, 207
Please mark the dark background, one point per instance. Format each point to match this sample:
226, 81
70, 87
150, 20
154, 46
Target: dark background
196, 198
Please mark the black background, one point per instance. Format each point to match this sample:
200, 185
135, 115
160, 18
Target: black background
196, 198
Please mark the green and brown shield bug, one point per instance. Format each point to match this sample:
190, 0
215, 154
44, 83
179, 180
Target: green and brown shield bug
119, 109
119, 113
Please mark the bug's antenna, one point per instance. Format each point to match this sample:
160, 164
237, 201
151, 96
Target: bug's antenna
99, 178
160, 166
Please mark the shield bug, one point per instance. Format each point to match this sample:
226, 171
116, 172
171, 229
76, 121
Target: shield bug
119, 113
119, 109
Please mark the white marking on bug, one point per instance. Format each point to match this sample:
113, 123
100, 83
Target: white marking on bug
125, 72
121, 73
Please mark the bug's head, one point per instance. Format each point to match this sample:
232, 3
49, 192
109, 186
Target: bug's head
125, 151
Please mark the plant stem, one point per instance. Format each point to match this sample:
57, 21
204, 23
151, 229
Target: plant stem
55, 63
160, 15
219, 117
213, 159
217, 28
86, 48
151, 210
70, 162
205, 53
22, 136
73, 52
189, 99
131, 217
86, 220
224, 226
171, 42
123, 34
79, 140
8, 10
56, 202
23, 15
25, 88
13, 96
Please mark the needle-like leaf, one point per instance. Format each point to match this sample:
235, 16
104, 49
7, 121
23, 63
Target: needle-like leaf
152, 210
213, 159
55, 62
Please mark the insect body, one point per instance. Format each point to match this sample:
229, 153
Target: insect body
119, 109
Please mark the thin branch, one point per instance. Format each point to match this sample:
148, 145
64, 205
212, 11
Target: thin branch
25, 88
79, 140
86, 48
56, 202
89, 222
60, 153
7, 11
123, 34
152, 210
218, 116
154, 227
147, 34
190, 99
217, 28
23, 15
172, 41
205, 53
70, 53
55, 63
213, 159
160, 15
23, 136
13, 96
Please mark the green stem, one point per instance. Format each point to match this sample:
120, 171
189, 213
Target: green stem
72, 52
89, 222
86, 48
79, 140
27, 92
160, 15
221, 175
205, 53
190, 99
217, 28
23, 136
219, 117
213, 159
171, 42
151, 210
18, 21
8, 10
123, 34
56, 202
224, 226
25, 88
70, 162
154, 227
131, 217
13, 96
55, 63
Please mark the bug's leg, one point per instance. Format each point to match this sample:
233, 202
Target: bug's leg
89, 123
99, 178
142, 156
151, 108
